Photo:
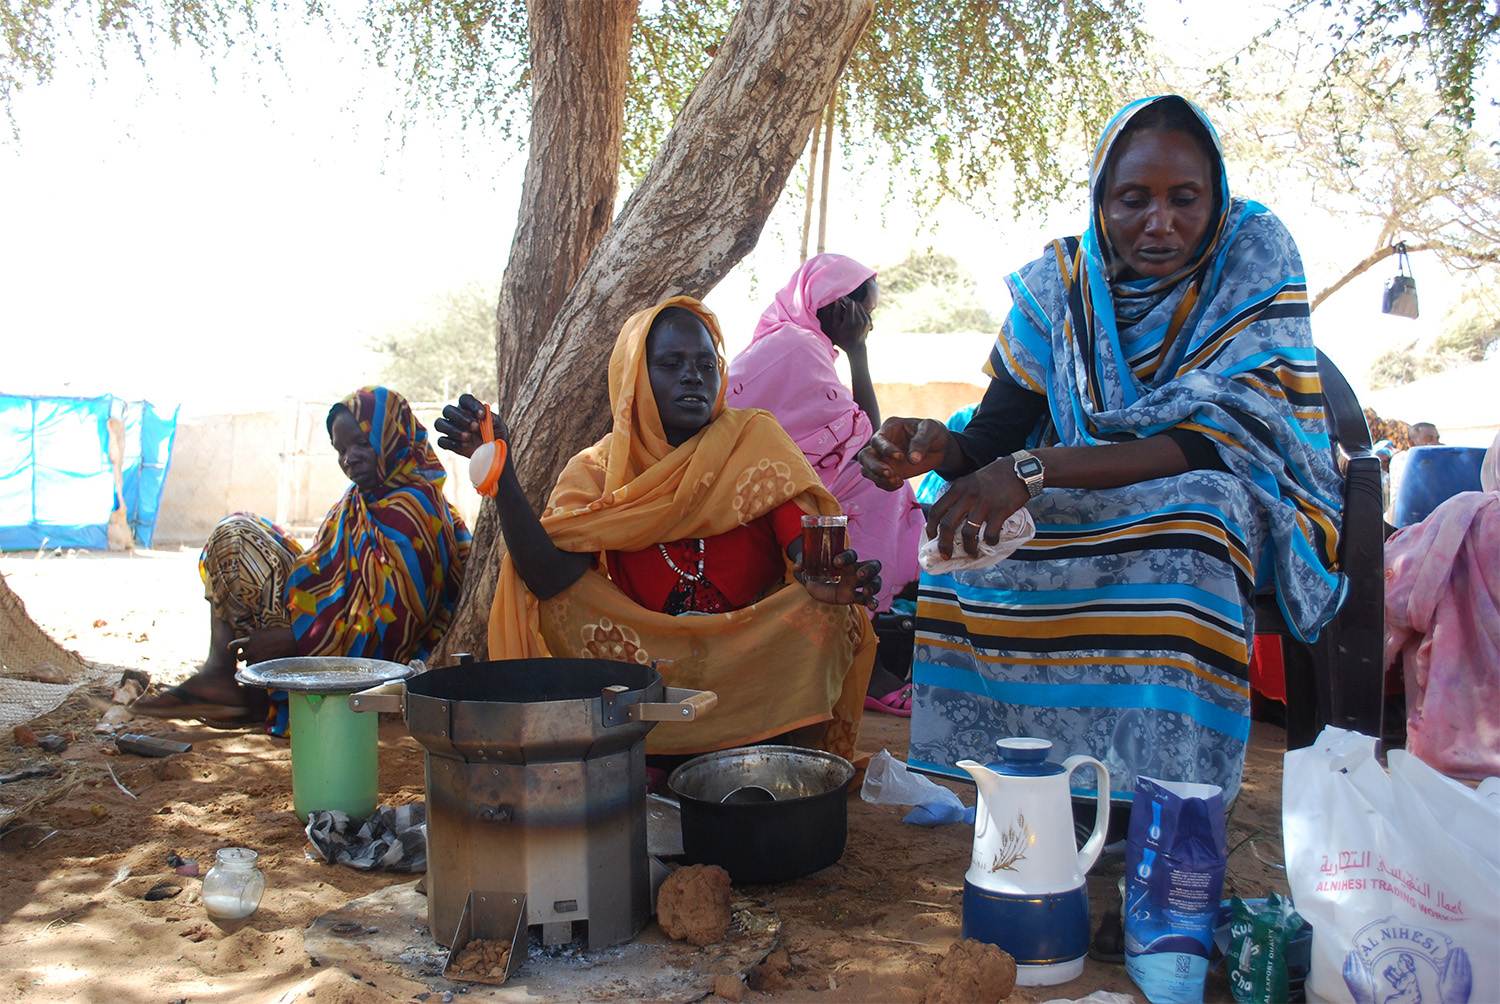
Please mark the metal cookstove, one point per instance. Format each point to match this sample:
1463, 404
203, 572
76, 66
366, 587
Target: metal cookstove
536, 795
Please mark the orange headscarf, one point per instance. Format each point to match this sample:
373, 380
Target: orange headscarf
632, 490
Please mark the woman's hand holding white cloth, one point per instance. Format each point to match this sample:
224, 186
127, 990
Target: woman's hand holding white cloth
988, 498
1015, 530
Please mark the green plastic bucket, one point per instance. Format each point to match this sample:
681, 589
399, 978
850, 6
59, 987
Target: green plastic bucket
335, 756
334, 748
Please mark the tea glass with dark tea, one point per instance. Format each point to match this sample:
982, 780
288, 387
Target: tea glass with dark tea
823, 539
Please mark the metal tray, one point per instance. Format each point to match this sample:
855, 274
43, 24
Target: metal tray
322, 674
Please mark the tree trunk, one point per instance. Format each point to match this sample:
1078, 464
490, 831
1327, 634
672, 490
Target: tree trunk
580, 63
827, 165
697, 212
812, 193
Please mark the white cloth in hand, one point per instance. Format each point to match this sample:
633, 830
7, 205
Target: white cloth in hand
1017, 529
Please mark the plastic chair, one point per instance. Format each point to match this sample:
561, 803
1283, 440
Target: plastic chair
1339, 679
1433, 475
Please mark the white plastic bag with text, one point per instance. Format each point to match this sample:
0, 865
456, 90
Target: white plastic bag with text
1398, 873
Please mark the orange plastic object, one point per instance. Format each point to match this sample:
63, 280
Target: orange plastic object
497, 463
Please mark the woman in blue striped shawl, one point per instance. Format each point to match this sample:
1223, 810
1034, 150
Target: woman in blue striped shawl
1154, 401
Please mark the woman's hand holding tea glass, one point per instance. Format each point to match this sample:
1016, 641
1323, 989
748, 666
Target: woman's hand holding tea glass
829, 570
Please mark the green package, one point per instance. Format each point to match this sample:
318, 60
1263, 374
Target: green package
1259, 934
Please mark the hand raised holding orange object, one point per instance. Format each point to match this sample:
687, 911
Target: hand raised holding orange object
470, 429
488, 459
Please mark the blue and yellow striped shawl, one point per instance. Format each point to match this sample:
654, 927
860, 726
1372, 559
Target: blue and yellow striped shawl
382, 578
1223, 349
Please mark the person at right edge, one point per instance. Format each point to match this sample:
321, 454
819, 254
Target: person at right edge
1155, 402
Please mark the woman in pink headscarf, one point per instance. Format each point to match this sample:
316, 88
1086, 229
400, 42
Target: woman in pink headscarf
788, 370
1442, 625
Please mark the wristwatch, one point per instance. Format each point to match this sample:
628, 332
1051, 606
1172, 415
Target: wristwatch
1029, 469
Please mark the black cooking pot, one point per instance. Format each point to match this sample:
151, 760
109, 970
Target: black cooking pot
802, 828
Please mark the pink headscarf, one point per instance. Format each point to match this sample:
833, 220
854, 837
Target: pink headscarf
788, 370
817, 283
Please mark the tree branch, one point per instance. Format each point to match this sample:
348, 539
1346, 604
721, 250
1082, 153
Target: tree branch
1370, 261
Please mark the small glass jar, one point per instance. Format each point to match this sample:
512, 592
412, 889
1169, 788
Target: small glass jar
233, 886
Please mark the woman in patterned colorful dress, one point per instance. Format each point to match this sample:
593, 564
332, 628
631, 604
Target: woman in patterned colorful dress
678, 537
1155, 403
380, 580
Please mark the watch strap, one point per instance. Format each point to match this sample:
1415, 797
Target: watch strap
1034, 474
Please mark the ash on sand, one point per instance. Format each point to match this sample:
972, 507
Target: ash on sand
693, 904
370, 934
972, 972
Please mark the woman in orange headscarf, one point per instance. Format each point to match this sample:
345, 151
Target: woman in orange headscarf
685, 507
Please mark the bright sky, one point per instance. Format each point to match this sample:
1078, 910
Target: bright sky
224, 245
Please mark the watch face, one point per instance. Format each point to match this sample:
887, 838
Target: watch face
1030, 467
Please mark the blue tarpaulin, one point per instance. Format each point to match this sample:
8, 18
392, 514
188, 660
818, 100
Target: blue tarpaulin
149, 432
57, 487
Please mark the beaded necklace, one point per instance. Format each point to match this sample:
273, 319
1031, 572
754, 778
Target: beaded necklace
689, 576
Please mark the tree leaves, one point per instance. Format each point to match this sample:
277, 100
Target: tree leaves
964, 95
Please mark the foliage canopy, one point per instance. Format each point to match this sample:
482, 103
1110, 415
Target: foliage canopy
1365, 137
955, 90
971, 86
1454, 37
961, 93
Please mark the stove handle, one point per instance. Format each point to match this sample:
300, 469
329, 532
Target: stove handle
685, 706
386, 697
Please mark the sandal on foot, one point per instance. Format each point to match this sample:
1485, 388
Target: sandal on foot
897, 702
246, 721
185, 705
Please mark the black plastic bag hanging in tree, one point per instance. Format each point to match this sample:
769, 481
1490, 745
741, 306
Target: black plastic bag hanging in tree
1401, 289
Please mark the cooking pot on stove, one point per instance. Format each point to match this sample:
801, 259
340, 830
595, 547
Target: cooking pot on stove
536, 791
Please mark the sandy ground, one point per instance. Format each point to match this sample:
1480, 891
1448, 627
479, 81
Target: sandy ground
81, 853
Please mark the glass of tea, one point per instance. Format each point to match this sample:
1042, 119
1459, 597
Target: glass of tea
823, 539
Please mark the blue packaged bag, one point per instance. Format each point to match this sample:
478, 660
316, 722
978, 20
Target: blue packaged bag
1175, 856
